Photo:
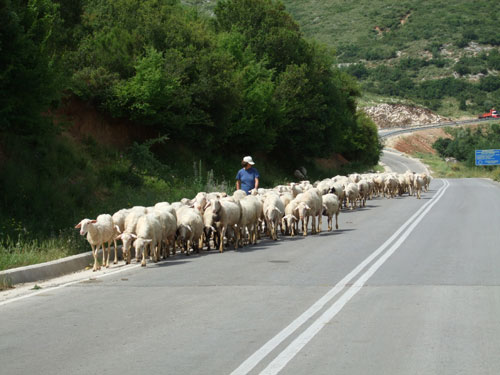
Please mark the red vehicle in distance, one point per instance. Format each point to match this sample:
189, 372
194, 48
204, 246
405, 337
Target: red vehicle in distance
491, 114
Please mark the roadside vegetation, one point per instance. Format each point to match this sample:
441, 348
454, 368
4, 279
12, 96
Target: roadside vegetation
456, 155
199, 91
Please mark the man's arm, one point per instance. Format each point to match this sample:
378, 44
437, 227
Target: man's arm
238, 183
256, 182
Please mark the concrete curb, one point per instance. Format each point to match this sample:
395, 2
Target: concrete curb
55, 268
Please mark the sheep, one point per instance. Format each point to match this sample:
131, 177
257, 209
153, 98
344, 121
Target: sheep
228, 214
249, 218
291, 219
331, 206
239, 195
274, 210
418, 185
325, 186
119, 226
379, 184
148, 235
168, 222
99, 232
286, 198
312, 198
209, 224
352, 193
127, 236
189, 228
363, 192
199, 201
408, 178
296, 189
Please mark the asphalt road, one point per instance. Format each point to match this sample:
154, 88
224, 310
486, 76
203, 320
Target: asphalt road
405, 286
400, 163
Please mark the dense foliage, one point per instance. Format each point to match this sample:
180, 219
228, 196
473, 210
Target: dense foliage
420, 51
464, 142
244, 81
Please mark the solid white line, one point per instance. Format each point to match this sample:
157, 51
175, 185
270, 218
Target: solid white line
68, 284
303, 339
268, 347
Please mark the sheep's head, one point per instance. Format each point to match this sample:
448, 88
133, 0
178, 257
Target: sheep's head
140, 244
127, 240
303, 210
183, 232
84, 226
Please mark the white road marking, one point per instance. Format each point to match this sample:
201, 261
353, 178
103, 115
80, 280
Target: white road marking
291, 351
267, 348
45, 290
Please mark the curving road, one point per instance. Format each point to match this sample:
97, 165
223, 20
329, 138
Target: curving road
405, 286
400, 163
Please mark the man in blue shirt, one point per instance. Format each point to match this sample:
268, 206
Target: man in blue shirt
247, 177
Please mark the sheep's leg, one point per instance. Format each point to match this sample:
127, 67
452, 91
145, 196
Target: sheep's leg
329, 221
237, 235
108, 252
337, 220
94, 254
221, 239
116, 252
320, 222
144, 251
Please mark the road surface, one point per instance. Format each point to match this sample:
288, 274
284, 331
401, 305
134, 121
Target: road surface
405, 286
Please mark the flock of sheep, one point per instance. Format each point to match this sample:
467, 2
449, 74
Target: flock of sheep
217, 218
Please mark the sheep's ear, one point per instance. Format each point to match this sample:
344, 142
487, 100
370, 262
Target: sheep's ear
208, 205
307, 207
79, 225
148, 241
118, 237
189, 228
133, 236
118, 229
211, 227
93, 221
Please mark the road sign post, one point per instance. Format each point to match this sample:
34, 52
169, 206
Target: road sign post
488, 157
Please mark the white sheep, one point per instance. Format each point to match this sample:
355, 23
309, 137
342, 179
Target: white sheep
273, 209
119, 226
352, 193
148, 235
168, 222
331, 206
249, 218
228, 214
99, 232
127, 236
189, 228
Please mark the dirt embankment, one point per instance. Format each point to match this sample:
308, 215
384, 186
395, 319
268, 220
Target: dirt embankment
401, 116
420, 141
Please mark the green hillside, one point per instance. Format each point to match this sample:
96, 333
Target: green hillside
441, 54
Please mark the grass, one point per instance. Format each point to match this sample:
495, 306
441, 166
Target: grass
441, 169
25, 252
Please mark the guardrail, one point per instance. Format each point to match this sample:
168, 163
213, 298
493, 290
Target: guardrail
389, 133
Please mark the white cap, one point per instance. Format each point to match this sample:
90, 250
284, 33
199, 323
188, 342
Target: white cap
248, 159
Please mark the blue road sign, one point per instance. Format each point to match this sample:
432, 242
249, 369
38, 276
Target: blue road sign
487, 157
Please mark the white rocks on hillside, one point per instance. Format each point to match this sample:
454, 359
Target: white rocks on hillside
400, 115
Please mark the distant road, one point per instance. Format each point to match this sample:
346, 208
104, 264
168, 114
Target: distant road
385, 133
400, 163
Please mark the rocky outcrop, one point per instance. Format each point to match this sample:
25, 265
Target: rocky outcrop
401, 116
